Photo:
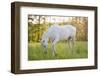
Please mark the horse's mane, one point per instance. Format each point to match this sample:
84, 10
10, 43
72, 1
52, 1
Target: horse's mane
45, 35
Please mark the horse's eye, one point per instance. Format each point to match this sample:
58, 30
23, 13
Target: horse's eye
43, 41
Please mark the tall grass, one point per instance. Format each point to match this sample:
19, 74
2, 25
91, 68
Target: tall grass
36, 51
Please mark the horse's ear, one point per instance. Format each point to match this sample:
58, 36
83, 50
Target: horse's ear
40, 40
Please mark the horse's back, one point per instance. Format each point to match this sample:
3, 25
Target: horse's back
69, 29
62, 32
64, 28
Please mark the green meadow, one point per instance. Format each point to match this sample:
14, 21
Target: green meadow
36, 51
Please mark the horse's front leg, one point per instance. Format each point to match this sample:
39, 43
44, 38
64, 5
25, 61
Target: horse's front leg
53, 46
54, 50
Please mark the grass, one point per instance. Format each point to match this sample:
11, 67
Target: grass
36, 51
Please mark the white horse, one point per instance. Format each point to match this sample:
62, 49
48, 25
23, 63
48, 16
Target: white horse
56, 33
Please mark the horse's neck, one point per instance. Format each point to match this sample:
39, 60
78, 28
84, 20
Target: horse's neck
46, 36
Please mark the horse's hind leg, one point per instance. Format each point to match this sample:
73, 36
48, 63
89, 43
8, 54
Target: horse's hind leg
70, 43
73, 45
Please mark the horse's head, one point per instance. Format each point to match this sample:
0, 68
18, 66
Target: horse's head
44, 43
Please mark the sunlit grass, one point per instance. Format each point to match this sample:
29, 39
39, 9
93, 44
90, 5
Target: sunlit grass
36, 51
